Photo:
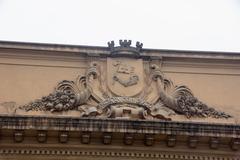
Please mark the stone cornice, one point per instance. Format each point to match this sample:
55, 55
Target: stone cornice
98, 50
83, 137
119, 125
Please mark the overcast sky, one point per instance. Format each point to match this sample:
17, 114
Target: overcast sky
212, 25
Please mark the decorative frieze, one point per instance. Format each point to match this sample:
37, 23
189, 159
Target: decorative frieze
161, 155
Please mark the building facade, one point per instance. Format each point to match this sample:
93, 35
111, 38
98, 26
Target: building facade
122, 101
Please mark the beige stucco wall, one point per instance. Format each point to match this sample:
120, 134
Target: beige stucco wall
25, 78
25, 82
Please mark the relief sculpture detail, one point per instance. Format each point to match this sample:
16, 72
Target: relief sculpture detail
124, 69
131, 88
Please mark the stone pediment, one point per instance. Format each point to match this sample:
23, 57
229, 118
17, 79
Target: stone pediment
123, 86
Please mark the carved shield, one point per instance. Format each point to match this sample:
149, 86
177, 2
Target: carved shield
125, 76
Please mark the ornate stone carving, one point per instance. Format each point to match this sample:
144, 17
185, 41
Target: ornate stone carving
125, 48
129, 89
125, 77
125, 69
191, 106
180, 98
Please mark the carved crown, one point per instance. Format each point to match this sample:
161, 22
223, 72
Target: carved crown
125, 48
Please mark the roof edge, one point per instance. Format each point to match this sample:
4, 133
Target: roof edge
77, 48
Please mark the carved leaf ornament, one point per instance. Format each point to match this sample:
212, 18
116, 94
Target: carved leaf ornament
157, 98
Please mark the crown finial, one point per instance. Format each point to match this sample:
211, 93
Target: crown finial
111, 45
139, 46
125, 43
125, 48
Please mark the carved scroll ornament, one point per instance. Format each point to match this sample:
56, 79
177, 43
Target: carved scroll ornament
156, 98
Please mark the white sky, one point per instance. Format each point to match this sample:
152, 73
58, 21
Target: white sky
162, 24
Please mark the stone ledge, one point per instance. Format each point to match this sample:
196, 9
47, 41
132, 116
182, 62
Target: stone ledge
119, 125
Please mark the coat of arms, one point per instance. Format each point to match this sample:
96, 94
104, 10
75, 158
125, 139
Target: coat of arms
125, 76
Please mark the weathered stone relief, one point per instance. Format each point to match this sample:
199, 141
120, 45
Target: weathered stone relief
122, 68
130, 88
